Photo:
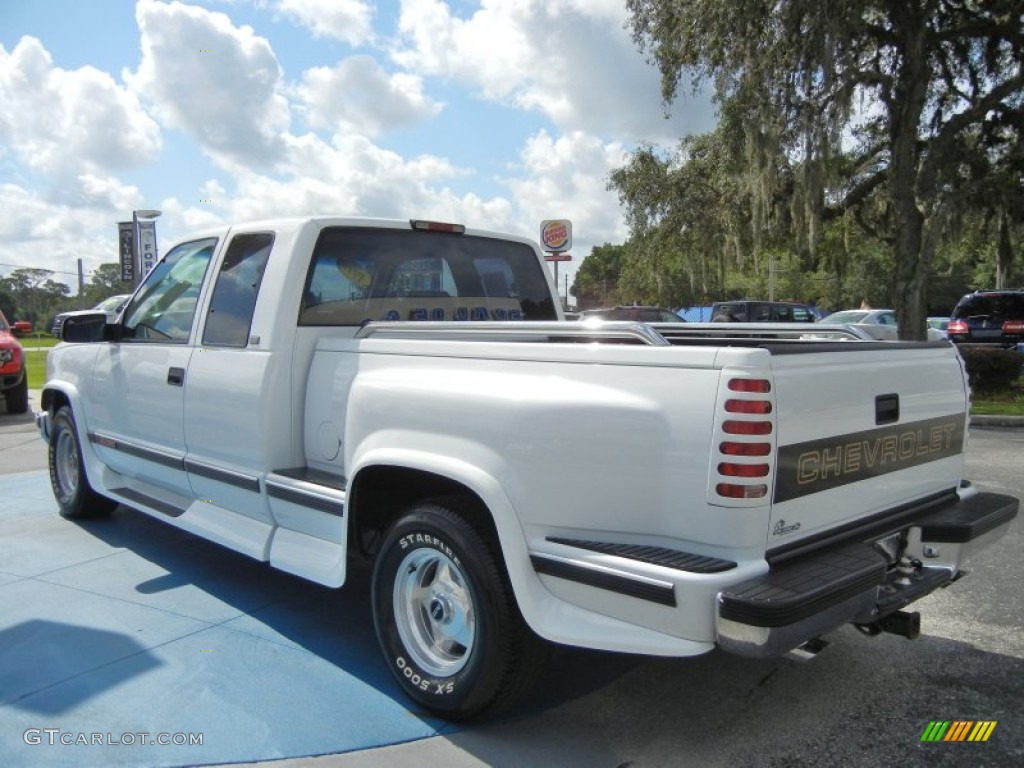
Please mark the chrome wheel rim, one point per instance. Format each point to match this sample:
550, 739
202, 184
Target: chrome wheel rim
434, 612
65, 464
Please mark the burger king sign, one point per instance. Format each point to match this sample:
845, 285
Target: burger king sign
556, 235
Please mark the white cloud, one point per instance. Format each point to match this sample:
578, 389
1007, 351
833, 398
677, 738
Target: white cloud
347, 20
40, 232
349, 176
566, 177
357, 96
570, 60
218, 83
63, 122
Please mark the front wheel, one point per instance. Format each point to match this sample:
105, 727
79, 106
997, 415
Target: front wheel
75, 497
445, 615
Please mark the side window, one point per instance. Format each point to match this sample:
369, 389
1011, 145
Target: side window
164, 308
234, 294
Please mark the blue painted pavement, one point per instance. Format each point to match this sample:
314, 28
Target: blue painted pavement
120, 633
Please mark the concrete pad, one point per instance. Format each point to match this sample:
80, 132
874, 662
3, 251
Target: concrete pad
118, 633
21, 447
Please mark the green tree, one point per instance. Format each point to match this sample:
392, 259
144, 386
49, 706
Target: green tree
7, 305
894, 110
690, 219
597, 279
34, 292
105, 281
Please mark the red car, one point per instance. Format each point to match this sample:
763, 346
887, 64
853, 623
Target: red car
13, 381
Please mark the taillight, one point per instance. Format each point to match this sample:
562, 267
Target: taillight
956, 326
748, 406
746, 453
747, 427
745, 449
750, 385
1013, 326
732, 491
731, 469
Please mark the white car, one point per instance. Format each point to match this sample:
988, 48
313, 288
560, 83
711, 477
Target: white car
877, 323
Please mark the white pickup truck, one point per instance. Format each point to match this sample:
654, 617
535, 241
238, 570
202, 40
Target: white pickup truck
307, 391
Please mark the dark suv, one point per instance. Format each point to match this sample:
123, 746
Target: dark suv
761, 312
989, 317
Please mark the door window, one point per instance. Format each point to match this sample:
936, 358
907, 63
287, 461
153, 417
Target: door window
164, 308
234, 294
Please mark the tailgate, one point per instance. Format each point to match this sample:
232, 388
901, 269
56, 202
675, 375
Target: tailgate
862, 430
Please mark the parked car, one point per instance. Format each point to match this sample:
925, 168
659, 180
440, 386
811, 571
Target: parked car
940, 324
877, 323
639, 314
13, 380
761, 312
112, 305
989, 317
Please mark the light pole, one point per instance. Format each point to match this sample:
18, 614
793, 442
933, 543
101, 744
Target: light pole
144, 254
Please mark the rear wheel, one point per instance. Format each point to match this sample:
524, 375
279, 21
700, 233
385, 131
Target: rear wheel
17, 397
75, 497
445, 615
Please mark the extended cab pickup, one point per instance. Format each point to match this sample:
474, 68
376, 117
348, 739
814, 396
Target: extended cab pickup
307, 391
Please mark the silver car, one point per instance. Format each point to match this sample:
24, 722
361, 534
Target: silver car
877, 323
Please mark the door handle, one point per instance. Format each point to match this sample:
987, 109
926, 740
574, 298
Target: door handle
176, 377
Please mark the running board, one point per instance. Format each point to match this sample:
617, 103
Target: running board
144, 500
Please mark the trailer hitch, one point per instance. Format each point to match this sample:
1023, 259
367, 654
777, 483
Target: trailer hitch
903, 623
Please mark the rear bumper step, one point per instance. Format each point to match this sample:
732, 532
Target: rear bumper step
804, 597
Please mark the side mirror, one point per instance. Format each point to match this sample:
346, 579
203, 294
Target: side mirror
84, 327
21, 327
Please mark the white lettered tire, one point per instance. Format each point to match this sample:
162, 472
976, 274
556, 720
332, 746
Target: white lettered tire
445, 615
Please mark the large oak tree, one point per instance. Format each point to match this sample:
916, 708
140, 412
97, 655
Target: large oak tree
900, 111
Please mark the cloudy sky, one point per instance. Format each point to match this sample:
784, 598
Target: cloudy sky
495, 114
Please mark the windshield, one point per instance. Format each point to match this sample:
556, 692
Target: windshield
112, 303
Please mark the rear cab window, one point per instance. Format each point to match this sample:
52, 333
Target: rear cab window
358, 275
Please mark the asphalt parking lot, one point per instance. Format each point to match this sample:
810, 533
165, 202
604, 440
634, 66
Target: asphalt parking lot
132, 630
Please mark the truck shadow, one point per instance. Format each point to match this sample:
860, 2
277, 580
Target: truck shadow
863, 701
334, 624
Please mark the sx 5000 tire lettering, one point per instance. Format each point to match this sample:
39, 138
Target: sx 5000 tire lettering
444, 612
